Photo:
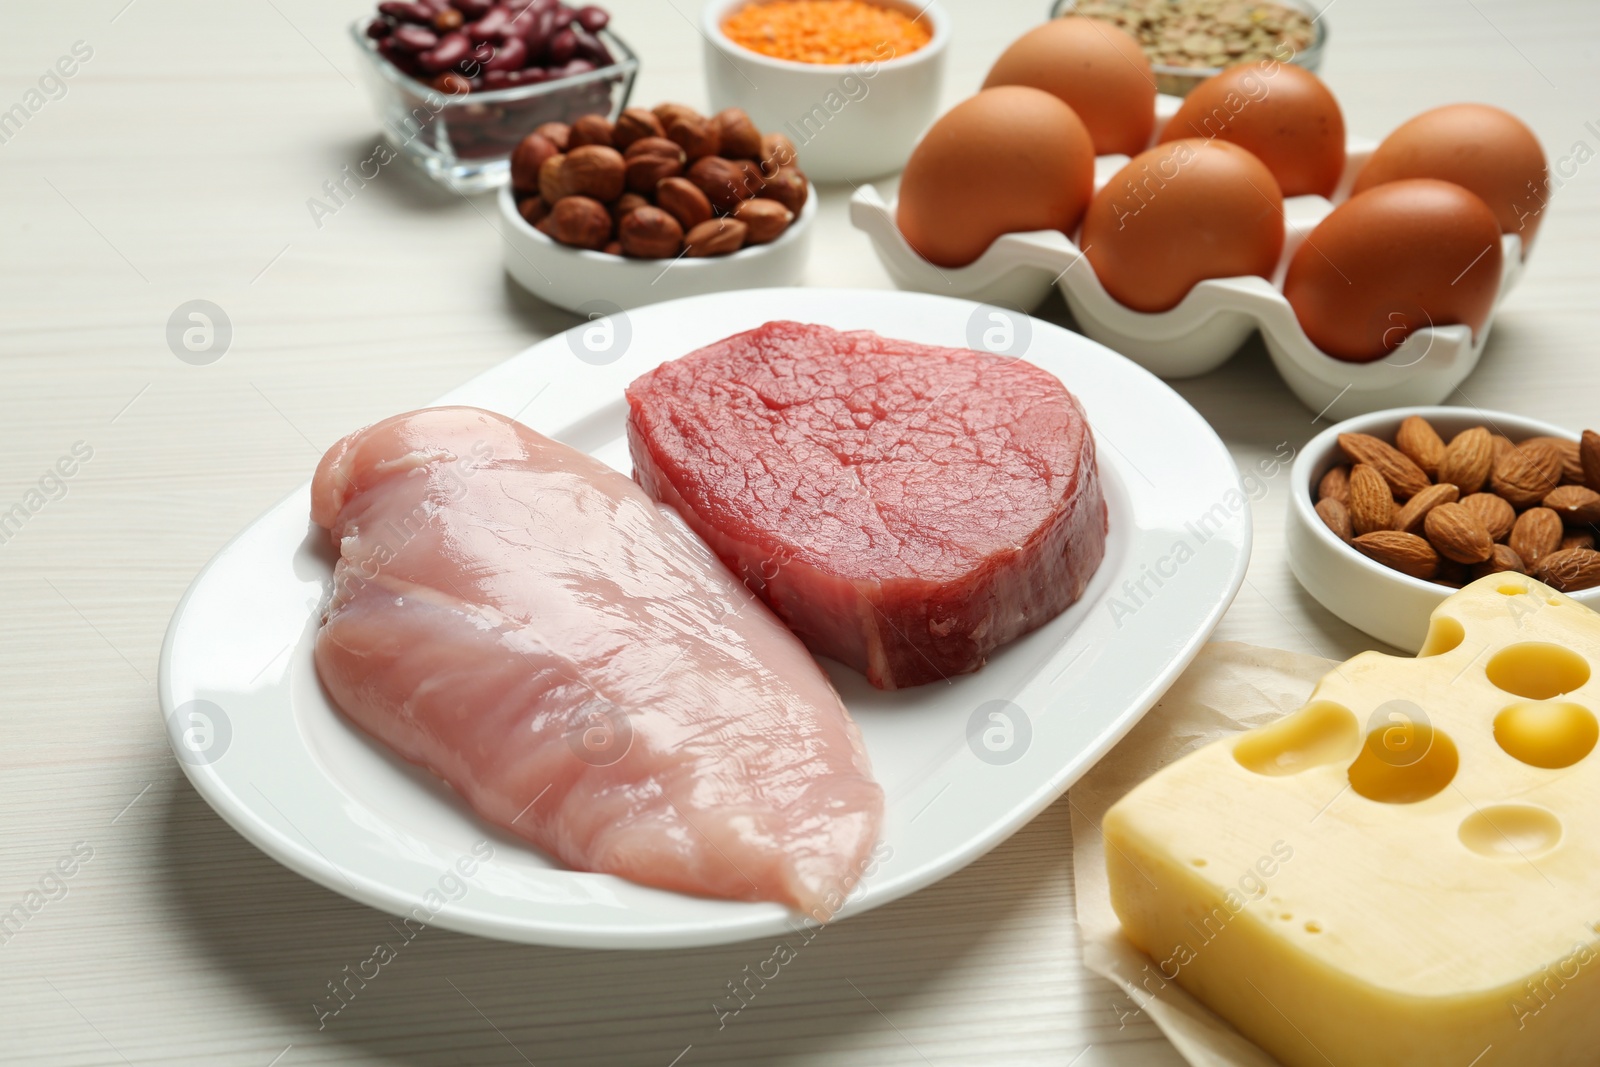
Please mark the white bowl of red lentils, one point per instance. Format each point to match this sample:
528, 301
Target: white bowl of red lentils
853, 83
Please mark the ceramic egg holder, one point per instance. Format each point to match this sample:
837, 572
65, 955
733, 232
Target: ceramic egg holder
1215, 318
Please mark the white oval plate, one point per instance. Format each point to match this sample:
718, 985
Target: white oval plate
284, 768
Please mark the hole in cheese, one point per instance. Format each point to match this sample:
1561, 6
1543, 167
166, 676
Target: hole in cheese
1404, 765
1550, 735
1511, 831
1322, 732
1537, 670
1444, 634
1511, 589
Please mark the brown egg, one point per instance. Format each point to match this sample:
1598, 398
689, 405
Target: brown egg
1179, 214
1098, 69
1281, 113
1394, 259
1007, 160
1480, 148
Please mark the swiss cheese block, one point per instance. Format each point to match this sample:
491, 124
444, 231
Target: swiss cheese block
1405, 872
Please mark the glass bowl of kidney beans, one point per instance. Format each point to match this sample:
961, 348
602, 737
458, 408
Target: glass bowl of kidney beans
457, 84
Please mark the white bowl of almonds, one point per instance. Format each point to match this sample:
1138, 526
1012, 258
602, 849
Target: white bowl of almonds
1393, 511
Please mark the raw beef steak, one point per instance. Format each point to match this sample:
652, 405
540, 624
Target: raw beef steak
904, 508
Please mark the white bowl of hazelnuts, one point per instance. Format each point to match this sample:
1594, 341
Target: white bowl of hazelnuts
657, 205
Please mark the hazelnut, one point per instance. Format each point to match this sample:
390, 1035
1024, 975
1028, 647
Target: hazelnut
627, 203
651, 159
724, 182
717, 237
767, 219
557, 132
740, 138
777, 152
613, 248
590, 129
788, 187
580, 222
550, 186
650, 233
533, 209
655, 146
595, 171
665, 113
633, 125
698, 136
529, 156
680, 198
447, 20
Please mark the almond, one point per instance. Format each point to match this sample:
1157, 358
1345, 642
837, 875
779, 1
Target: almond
1526, 473
1589, 455
1335, 485
1406, 553
1336, 516
1405, 478
1467, 460
1500, 444
1574, 569
1457, 534
1576, 540
1453, 574
1496, 515
1577, 505
1371, 503
1571, 459
1500, 559
1409, 518
1420, 443
1537, 533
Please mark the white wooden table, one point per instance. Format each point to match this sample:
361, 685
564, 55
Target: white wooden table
177, 166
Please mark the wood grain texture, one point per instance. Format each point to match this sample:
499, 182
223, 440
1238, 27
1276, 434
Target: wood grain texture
177, 166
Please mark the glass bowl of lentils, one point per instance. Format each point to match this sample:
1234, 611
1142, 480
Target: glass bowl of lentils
457, 84
1190, 40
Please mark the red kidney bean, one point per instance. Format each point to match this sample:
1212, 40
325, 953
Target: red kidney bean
435, 6
405, 61
589, 47
510, 54
451, 49
593, 19
406, 11
563, 46
491, 26
576, 66
564, 14
496, 79
473, 9
414, 38
378, 29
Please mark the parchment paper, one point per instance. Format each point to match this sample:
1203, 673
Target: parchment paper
1230, 687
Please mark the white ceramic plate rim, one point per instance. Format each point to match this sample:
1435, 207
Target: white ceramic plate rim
1088, 676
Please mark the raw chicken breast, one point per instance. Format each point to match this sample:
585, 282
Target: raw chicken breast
530, 626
